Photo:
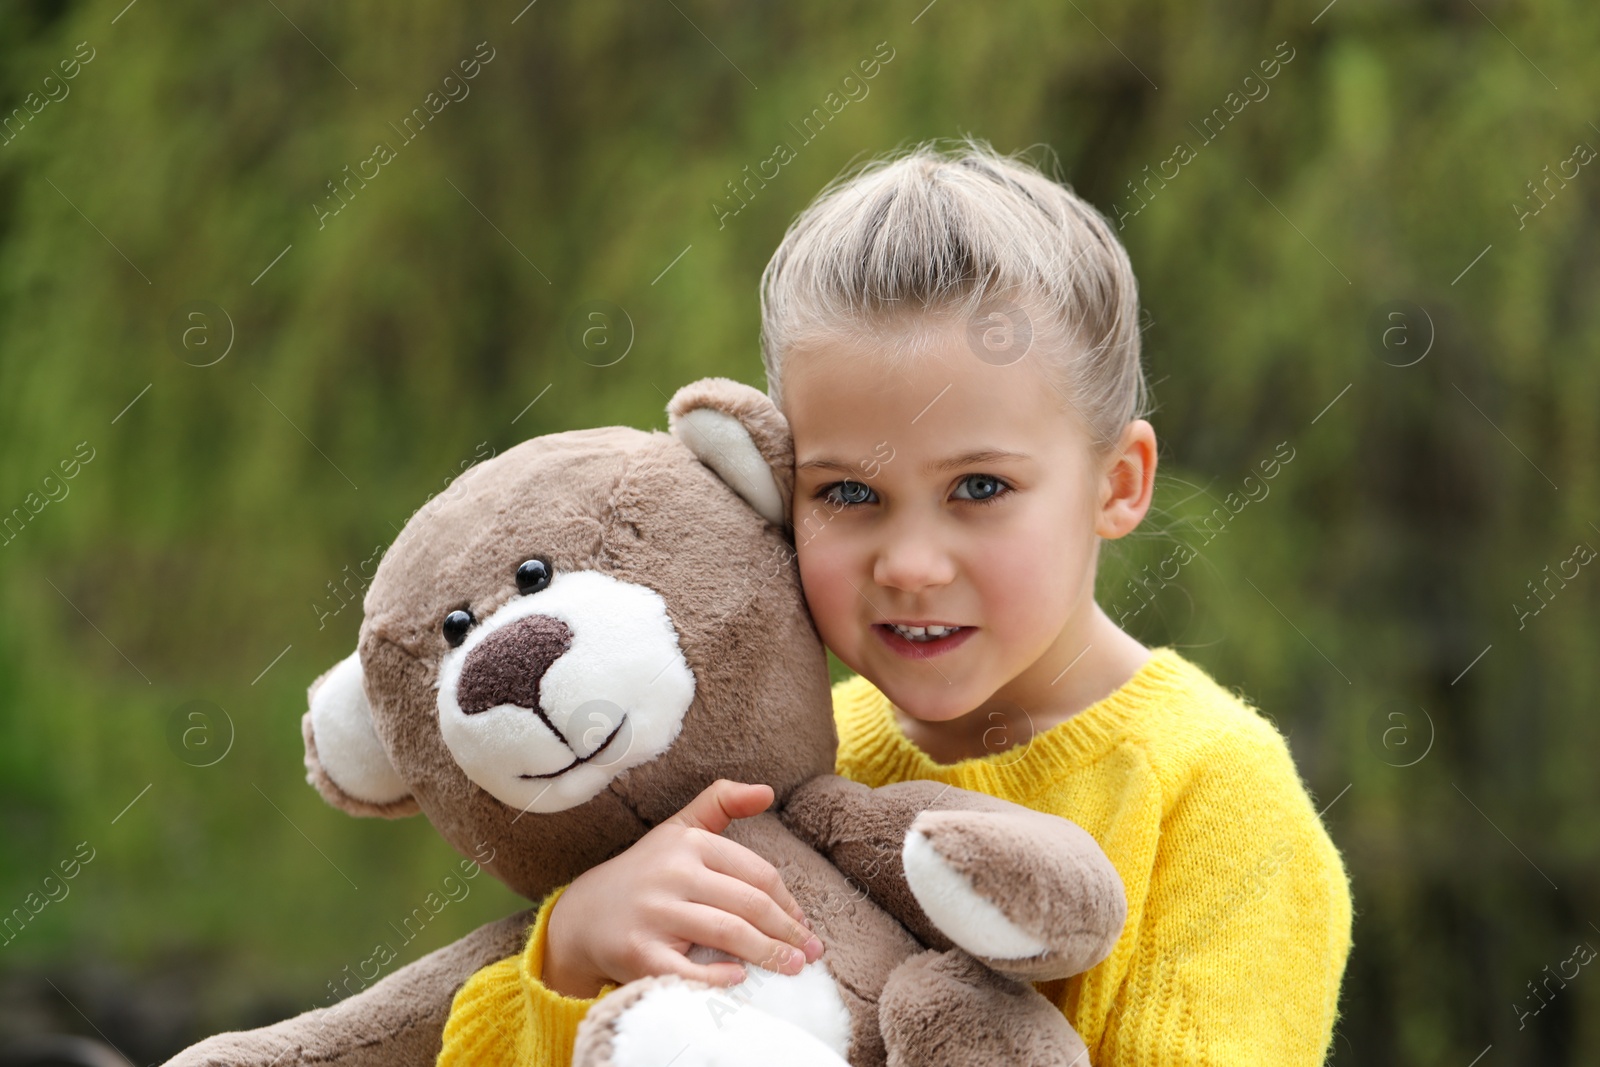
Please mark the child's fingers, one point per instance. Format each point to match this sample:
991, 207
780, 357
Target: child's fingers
659, 959
736, 861
721, 802
715, 928
759, 910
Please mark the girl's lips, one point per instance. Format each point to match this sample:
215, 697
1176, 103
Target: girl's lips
922, 649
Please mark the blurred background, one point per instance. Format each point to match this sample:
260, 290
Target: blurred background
273, 273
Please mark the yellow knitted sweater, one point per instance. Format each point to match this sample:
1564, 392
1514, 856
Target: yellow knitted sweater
1239, 906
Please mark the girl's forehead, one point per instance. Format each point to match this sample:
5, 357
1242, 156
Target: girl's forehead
827, 376
845, 402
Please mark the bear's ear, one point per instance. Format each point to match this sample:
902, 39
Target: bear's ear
739, 433
344, 758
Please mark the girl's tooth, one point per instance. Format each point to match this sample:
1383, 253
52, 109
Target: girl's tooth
924, 633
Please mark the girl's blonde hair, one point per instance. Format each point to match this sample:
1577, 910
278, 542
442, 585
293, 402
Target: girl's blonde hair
930, 236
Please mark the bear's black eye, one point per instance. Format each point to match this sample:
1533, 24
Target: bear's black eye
456, 625
533, 576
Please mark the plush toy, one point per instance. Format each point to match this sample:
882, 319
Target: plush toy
574, 640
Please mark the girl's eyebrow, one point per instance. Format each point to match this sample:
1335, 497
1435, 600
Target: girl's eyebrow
966, 459
825, 464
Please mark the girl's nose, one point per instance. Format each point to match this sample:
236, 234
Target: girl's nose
912, 561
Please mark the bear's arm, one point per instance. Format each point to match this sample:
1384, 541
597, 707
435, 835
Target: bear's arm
1030, 894
399, 1021
862, 831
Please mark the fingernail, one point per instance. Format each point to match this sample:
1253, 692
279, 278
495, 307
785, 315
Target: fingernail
813, 949
797, 959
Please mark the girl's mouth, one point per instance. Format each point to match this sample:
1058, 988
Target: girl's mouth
908, 643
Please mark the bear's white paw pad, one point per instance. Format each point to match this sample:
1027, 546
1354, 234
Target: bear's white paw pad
965, 917
694, 1027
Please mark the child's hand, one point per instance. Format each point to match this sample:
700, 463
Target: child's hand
681, 884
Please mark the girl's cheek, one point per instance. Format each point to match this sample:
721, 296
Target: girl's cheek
826, 589
1017, 580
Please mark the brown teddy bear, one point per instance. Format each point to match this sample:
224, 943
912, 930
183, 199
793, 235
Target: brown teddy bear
574, 640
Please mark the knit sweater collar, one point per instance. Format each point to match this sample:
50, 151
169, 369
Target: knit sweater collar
874, 748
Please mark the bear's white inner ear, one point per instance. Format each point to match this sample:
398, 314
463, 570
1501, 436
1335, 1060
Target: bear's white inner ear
722, 443
347, 746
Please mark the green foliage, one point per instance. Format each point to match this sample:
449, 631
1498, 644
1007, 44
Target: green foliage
377, 350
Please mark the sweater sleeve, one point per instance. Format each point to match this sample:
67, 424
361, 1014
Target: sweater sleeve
506, 1015
1246, 927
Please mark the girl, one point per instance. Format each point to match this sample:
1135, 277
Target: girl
954, 340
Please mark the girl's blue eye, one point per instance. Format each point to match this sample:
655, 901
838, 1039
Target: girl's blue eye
982, 487
846, 493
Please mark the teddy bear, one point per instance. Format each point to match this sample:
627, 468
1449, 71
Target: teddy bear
569, 644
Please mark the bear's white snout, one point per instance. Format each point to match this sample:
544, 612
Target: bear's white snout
559, 691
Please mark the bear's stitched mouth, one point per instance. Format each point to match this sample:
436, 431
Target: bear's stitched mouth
513, 722
577, 760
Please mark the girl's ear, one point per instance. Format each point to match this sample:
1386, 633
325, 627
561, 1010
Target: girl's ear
344, 758
739, 433
1127, 481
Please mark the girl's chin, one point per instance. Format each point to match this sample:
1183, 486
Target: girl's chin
933, 715
924, 696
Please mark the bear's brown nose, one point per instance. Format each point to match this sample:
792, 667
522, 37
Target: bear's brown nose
507, 666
